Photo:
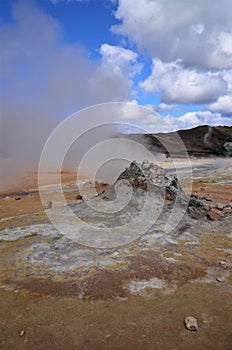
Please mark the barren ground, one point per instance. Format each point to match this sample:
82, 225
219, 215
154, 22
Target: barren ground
62, 295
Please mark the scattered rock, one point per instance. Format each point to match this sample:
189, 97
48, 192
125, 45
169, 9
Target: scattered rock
48, 205
191, 323
209, 206
17, 198
22, 333
196, 209
207, 197
227, 210
214, 214
220, 206
220, 279
79, 197
7, 198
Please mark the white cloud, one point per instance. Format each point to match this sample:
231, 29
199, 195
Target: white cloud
223, 104
147, 118
164, 107
176, 84
117, 58
197, 32
193, 119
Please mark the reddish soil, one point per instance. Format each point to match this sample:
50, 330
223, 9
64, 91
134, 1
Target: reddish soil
217, 193
157, 323
9, 207
49, 315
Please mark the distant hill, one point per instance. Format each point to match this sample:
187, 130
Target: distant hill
200, 141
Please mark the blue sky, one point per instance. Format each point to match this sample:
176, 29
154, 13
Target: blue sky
175, 57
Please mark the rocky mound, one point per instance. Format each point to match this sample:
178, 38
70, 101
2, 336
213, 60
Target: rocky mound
150, 177
142, 187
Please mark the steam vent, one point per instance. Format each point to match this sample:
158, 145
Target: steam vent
145, 191
148, 176
153, 180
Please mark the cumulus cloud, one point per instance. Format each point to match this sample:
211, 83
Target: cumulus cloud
165, 107
197, 32
223, 104
193, 119
148, 119
175, 84
190, 44
120, 59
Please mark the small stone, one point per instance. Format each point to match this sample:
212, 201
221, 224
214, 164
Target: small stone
48, 205
191, 323
227, 210
207, 207
222, 262
220, 279
214, 214
7, 198
22, 333
79, 197
220, 206
207, 197
17, 198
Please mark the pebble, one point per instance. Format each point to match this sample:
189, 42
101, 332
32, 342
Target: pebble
48, 205
191, 323
220, 206
227, 210
17, 198
22, 333
79, 197
207, 197
220, 279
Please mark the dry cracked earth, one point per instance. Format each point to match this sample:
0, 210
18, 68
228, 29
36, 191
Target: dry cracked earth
58, 292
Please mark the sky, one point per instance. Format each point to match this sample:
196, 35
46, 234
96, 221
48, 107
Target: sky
59, 56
